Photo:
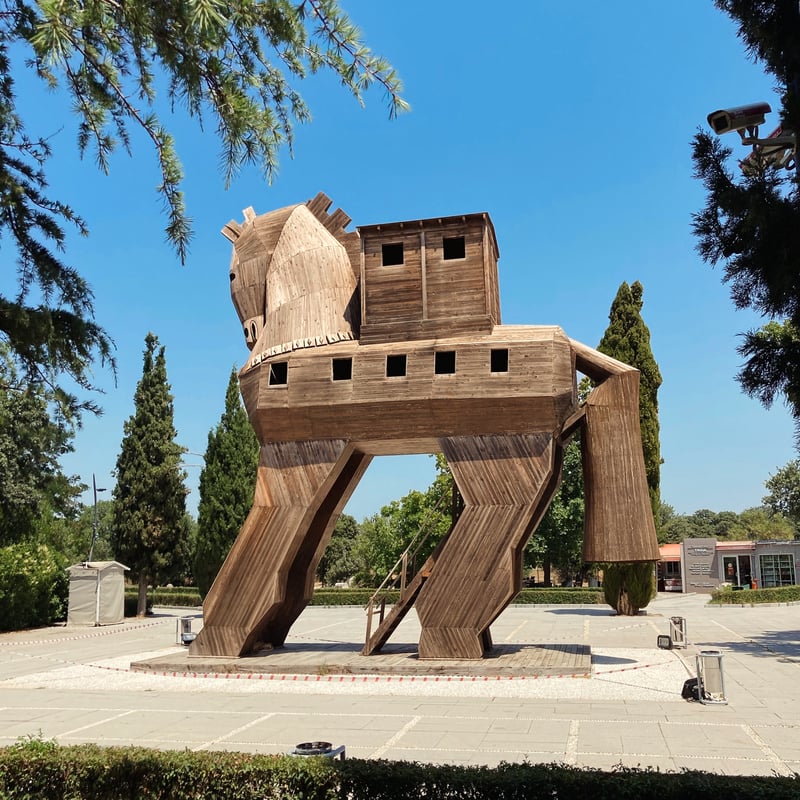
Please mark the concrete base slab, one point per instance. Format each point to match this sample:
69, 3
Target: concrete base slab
402, 659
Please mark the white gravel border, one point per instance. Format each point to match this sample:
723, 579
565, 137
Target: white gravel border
618, 674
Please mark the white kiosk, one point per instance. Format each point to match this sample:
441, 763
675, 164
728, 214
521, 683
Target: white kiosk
96, 593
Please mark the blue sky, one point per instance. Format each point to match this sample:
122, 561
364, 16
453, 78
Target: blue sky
570, 124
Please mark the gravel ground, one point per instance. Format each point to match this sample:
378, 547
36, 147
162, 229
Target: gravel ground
618, 674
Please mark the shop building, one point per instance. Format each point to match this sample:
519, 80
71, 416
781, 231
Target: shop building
702, 565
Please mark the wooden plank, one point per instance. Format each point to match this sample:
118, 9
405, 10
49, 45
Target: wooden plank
619, 519
505, 481
267, 578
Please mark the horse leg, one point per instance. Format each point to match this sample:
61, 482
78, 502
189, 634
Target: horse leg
268, 577
507, 483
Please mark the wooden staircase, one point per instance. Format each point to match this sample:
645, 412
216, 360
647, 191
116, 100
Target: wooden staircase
411, 582
388, 623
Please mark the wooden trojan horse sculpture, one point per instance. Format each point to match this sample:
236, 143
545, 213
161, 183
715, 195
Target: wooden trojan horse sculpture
387, 340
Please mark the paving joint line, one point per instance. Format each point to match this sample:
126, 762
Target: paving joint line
233, 732
95, 724
389, 743
767, 750
571, 750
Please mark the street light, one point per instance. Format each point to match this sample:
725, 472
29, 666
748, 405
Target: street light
95, 490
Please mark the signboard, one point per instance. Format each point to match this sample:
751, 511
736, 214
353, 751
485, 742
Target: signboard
699, 565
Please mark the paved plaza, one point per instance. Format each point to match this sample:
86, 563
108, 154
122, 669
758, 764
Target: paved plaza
75, 685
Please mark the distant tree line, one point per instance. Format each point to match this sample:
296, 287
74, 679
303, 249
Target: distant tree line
758, 523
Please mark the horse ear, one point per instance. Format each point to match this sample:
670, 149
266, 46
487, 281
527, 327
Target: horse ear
232, 231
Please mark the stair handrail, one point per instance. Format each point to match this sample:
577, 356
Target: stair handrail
402, 561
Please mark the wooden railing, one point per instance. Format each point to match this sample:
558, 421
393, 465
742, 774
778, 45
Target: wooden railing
400, 571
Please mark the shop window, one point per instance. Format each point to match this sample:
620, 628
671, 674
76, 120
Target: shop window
454, 247
396, 366
777, 569
392, 254
499, 360
445, 362
279, 373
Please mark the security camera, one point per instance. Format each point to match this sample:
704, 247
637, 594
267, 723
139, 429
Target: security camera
777, 150
740, 118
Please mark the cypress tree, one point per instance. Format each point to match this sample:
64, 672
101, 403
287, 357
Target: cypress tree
629, 587
149, 533
627, 339
227, 483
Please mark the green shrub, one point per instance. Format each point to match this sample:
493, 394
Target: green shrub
778, 594
349, 597
35, 769
327, 596
559, 596
132, 605
34, 586
162, 596
42, 770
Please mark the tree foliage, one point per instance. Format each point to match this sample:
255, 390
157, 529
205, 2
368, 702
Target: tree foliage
33, 586
232, 66
558, 541
784, 493
32, 483
149, 532
337, 563
385, 536
751, 222
627, 339
629, 587
227, 483
758, 524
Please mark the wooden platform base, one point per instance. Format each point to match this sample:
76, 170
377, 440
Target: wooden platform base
534, 660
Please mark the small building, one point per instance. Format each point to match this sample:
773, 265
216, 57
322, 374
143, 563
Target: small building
702, 565
96, 593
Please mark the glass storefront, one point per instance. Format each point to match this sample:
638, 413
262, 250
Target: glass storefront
777, 569
737, 570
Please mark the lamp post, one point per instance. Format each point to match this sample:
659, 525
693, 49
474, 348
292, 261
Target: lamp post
95, 490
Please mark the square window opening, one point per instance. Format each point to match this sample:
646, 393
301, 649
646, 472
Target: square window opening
342, 369
395, 366
279, 373
499, 360
454, 247
392, 254
445, 362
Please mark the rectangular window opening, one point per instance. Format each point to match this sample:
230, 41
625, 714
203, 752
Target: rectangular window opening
392, 254
454, 247
445, 362
342, 369
279, 373
499, 360
396, 366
